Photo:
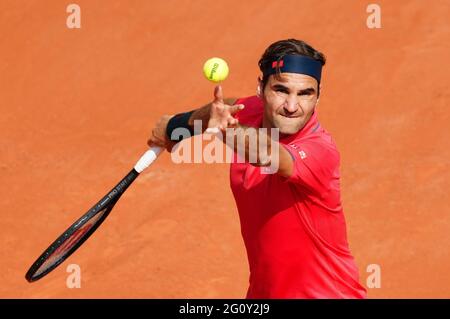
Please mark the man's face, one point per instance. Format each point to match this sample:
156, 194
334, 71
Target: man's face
289, 102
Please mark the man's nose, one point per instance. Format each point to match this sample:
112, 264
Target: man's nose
291, 104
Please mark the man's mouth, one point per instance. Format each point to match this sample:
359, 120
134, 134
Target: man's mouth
290, 116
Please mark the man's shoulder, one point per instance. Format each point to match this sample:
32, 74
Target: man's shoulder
320, 143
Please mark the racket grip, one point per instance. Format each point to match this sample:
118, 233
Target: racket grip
147, 159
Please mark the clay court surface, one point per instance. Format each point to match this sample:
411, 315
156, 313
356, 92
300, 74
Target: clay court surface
77, 106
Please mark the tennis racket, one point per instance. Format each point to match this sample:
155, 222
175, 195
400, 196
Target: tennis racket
66, 244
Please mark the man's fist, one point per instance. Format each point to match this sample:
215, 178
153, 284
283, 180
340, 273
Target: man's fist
158, 136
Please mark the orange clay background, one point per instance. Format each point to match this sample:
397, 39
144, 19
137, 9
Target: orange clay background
77, 106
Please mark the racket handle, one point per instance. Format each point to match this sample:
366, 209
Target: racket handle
147, 159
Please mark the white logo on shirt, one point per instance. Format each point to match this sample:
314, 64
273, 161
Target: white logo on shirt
302, 154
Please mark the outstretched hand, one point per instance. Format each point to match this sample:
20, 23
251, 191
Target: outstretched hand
221, 115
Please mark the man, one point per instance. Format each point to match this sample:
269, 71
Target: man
292, 221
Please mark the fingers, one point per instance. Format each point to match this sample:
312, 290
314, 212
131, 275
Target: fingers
212, 130
221, 115
155, 140
232, 122
236, 108
218, 94
229, 122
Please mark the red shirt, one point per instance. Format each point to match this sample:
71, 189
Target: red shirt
294, 228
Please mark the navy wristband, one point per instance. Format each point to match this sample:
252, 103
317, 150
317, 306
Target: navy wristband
180, 120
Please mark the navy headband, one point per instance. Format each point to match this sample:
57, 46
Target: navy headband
295, 64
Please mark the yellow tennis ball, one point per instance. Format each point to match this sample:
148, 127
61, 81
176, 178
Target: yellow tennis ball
215, 69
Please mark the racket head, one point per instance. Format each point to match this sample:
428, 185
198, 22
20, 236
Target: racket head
74, 236
66, 244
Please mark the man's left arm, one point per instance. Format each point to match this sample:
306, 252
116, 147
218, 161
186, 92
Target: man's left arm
247, 141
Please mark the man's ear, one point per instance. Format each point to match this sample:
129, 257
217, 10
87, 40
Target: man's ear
259, 88
321, 92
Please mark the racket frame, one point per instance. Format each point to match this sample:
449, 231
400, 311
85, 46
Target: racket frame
108, 202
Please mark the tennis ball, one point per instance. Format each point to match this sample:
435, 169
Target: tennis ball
215, 69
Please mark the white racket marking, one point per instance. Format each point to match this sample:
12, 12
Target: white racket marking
147, 159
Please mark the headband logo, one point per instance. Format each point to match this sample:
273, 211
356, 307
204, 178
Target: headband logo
276, 63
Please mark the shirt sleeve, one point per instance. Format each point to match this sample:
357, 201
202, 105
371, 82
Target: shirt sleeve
315, 165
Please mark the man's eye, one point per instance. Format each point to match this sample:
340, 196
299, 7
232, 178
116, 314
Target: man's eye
281, 90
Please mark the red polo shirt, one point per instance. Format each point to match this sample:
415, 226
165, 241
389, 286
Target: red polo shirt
294, 228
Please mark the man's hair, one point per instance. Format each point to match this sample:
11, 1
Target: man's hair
277, 50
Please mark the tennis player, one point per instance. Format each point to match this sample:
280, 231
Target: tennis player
292, 222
